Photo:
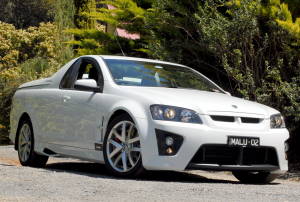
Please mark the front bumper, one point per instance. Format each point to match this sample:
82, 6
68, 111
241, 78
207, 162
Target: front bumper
197, 135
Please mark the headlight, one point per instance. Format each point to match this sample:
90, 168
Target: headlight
170, 113
277, 121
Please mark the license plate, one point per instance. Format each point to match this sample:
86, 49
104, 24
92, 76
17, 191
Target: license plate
243, 141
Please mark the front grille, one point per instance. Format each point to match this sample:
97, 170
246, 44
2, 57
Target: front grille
232, 119
234, 155
250, 120
222, 118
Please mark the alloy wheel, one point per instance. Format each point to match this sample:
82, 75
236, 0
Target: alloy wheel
123, 146
25, 142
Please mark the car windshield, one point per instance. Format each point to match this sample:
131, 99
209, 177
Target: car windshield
140, 73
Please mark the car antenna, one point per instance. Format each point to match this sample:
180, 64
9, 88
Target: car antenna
116, 36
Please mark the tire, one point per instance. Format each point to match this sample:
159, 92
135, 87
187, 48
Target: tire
26, 153
122, 150
254, 177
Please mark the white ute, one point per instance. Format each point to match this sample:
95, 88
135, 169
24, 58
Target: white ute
137, 114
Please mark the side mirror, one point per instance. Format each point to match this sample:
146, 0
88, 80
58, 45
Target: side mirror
227, 93
87, 85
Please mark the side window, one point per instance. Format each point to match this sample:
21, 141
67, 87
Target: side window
66, 82
88, 70
83, 68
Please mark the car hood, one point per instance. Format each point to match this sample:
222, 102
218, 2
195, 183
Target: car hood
203, 102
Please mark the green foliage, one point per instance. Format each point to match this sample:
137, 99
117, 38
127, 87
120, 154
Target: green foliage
93, 37
126, 14
64, 15
20, 45
82, 6
294, 7
281, 14
26, 13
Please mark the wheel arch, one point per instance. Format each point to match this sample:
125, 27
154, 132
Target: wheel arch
117, 113
24, 116
132, 108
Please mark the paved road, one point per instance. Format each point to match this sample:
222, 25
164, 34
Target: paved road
73, 180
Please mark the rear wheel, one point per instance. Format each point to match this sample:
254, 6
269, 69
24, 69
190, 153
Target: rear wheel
26, 153
254, 177
122, 149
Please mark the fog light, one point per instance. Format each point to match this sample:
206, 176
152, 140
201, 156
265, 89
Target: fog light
169, 141
169, 150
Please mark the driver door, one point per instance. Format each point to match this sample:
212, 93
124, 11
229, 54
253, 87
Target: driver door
82, 108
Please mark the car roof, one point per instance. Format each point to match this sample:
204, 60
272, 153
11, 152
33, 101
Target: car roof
138, 59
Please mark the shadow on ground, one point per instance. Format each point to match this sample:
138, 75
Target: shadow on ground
99, 171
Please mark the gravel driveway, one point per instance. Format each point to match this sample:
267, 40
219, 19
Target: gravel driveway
73, 180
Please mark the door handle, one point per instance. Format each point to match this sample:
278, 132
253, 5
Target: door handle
66, 98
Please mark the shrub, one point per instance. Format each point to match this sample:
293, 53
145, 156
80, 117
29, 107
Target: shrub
26, 55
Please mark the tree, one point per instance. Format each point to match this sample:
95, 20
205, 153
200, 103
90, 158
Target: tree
280, 13
99, 33
25, 13
294, 7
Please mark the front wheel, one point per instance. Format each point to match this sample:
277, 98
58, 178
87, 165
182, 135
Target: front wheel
122, 148
26, 153
254, 177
